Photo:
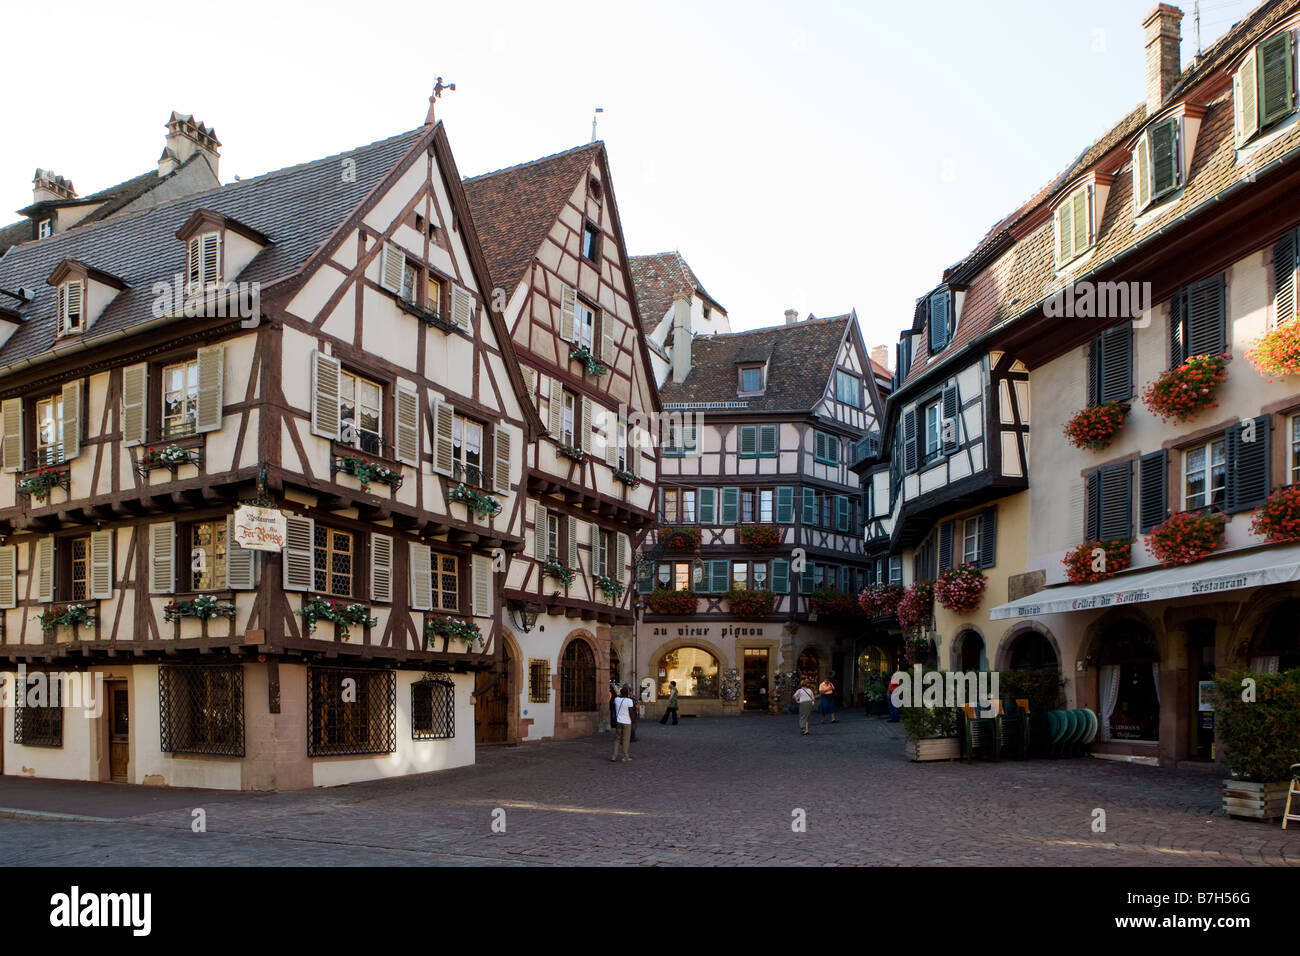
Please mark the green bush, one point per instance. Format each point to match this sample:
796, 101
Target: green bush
1041, 685
922, 722
1261, 737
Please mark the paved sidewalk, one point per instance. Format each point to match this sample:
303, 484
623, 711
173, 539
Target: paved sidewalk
711, 791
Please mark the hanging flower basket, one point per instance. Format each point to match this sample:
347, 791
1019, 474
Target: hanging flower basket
1277, 354
681, 539
760, 537
341, 614
611, 588
1084, 565
663, 601
1278, 519
1188, 390
480, 504
454, 629
961, 588
205, 607
580, 353
750, 603
1095, 427
881, 600
1186, 537
916, 605
834, 604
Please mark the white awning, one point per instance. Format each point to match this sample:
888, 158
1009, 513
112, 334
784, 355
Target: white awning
1229, 573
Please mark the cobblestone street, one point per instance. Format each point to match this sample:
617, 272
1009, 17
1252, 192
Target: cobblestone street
712, 791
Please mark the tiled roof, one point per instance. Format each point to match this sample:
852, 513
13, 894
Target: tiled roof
298, 208
1023, 275
514, 208
659, 278
802, 358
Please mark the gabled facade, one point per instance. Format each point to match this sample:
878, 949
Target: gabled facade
674, 307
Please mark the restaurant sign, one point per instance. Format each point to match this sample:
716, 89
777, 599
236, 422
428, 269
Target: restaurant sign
259, 529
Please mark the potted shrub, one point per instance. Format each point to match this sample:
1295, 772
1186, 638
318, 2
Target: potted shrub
1277, 354
1260, 735
1095, 561
760, 537
750, 603
961, 588
1183, 393
1278, 519
1095, 427
877, 705
931, 733
1186, 537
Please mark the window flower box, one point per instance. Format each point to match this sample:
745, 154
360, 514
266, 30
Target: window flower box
663, 601
881, 600
343, 615
961, 588
750, 603
1096, 427
171, 457
611, 588
1084, 565
834, 605
205, 607
568, 451
681, 539
1278, 519
580, 353
1186, 537
916, 605
73, 615
480, 504
366, 471
37, 484
760, 537
1183, 393
626, 477
1277, 354
558, 572
453, 629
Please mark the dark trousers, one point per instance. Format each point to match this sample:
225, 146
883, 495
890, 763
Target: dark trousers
664, 718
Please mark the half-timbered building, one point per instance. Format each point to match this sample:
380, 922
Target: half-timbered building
673, 305
316, 349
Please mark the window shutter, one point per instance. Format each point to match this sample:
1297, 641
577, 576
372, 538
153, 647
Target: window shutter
730, 505
539, 532
1276, 78
940, 303
193, 265
1142, 173
8, 576
162, 558
462, 308
809, 506
1247, 465
951, 421
645, 577
785, 504
11, 411
211, 246
593, 543
406, 407
212, 369
481, 569
1165, 172
557, 406
620, 559
610, 435
325, 395
780, 577
1117, 501
135, 392
71, 420
1082, 230
767, 441
748, 441
584, 426
381, 568
573, 543
1284, 278
568, 308
634, 451
846, 580
841, 513
101, 566
720, 576
1064, 232
608, 353
988, 537
1153, 495
299, 543
45, 570
1177, 333
909, 441
501, 459
1115, 382
707, 505
1245, 88
808, 578
1206, 317
945, 545
392, 267
1092, 507
239, 561
443, 452
421, 575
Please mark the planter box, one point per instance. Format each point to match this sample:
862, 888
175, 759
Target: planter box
1258, 801
935, 748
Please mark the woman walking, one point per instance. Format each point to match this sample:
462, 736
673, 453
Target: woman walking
827, 703
804, 698
672, 704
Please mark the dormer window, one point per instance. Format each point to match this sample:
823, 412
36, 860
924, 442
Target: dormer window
1075, 229
751, 380
1157, 162
44, 228
941, 320
204, 262
1263, 88
71, 306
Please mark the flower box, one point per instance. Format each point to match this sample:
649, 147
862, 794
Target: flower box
961, 588
453, 629
37, 484
834, 605
611, 588
205, 607
1278, 519
580, 353
340, 613
1256, 801
1183, 393
480, 504
750, 603
1186, 537
171, 457
1277, 354
73, 615
558, 572
663, 601
881, 600
760, 537
681, 539
366, 471
1095, 427
626, 477
1084, 565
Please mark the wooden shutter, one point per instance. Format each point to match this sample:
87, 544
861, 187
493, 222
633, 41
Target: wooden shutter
1177, 332
841, 513
11, 411
70, 304
611, 433
608, 351
211, 246
299, 544
1166, 175
909, 441
1142, 173
1247, 464
730, 505
135, 393
325, 372
1092, 507
938, 320
748, 441
501, 459
392, 267
239, 561
1153, 494
406, 405
706, 505
1206, 317
808, 578
988, 537
8, 576
162, 558
845, 579
1115, 368
101, 566
1245, 89
481, 592
539, 532
1284, 278
381, 567
720, 576
785, 504
809, 506
568, 307
781, 576
193, 265
1082, 230
620, 558
766, 441
572, 543
951, 425
584, 426
593, 543
556, 407
443, 451
45, 570
1117, 501
645, 577
212, 371
1064, 231
945, 545
1276, 78
71, 420
634, 451
462, 308
421, 573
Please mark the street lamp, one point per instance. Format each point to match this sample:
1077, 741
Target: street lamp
525, 615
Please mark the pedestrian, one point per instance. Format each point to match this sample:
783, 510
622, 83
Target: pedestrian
826, 705
624, 711
804, 698
613, 696
672, 704
636, 710
894, 712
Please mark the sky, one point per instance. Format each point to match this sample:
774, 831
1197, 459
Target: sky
816, 156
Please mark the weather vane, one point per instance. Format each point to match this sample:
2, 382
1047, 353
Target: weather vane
438, 87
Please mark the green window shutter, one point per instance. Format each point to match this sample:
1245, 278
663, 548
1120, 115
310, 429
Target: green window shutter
720, 576
1247, 464
940, 307
1276, 78
661, 504
909, 441
708, 505
1206, 324
730, 505
767, 441
841, 513
1092, 511
785, 505
1064, 232
809, 506
808, 578
1082, 232
1166, 172
1284, 278
781, 577
748, 441
988, 537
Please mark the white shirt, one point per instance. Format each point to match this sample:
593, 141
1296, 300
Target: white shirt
803, 696
623, 709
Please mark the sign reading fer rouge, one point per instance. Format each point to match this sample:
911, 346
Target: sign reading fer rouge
259, 529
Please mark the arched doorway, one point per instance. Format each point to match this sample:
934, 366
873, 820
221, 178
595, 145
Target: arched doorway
1276, 645
693, 668
1031, 651
809, 666
970, 652
615, 667
1128, 684
492, 702
578, 678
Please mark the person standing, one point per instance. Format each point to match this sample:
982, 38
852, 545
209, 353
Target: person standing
804, 698
613, 696
826, 705
672, 704
894, 712
624, 710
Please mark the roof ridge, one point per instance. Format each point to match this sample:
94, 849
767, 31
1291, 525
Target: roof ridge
533, 162
846, 317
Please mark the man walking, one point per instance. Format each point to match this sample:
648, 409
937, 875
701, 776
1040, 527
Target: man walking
672, 704
623, 706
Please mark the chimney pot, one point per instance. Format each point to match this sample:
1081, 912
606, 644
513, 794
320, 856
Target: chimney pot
791, 316
47, 186
880, 355
185, 137
1164, 39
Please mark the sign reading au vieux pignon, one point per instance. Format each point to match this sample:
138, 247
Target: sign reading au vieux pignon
259, 529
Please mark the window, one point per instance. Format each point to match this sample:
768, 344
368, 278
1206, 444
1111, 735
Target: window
180, 398
45, 228
1264, 86
971, 540
333, 562
70, 306
201, 709
590, 242
586, 325
751, 379
688, 505
1157, 162
433, 709
1204, 475
467, 451
746, 505
1110, 366
363, 721
621, 456
1073, 223
848, 388
577, 678
749, 575
539, 682
740, 575
826, 448
682, 440
941, 320
605, 550
38, 711
1198, 321
433, 294
1294, 467
765, 501
668, 509
410, 281
933, 429
758, 441
49, 430
203, 265
446, 582
676, 576
79, 570
552, 537
694, 670
360, 413
207, 556
567, 420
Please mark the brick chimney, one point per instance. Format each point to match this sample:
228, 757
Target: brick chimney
880, 355
185, 137
682, 336
48, 186
1163, 41
791, 316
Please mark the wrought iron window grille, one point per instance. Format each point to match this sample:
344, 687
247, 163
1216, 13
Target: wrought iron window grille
201, 709
433, 709
359, 717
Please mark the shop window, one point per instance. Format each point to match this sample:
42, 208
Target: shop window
694, 669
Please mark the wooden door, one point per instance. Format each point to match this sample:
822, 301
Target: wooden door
756, 678
492, 706
119, 732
